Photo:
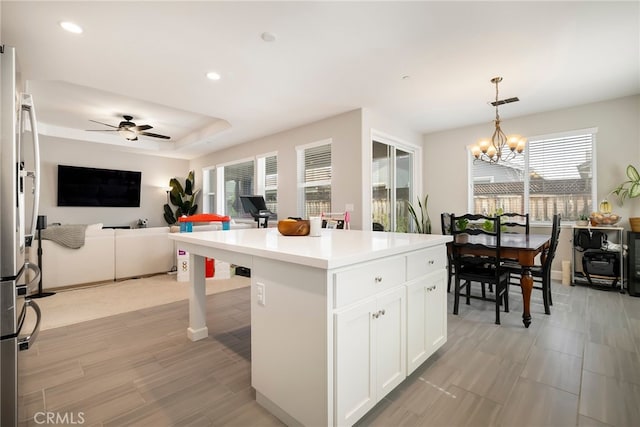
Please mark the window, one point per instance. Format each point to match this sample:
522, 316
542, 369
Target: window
209, 190
268, 180
241, 178
392, 185
314, 178
555, 175
237, 180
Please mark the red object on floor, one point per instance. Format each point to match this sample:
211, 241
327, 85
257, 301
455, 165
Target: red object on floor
209, 267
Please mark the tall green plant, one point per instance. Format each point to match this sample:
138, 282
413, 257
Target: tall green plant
183, 198
423, 223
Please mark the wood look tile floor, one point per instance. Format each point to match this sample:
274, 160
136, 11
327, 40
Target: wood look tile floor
580, 366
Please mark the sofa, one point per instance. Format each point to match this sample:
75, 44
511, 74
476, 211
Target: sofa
111, 254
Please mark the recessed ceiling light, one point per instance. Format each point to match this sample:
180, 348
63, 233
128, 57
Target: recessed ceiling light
71, 27
268, 37
212, 75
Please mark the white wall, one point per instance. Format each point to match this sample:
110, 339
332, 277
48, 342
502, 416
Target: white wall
351, 157
617, 145
156, 172
345, 132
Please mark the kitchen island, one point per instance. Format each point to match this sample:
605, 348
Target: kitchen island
337, 321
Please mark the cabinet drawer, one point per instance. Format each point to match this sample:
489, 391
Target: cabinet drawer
367, 279
426, 261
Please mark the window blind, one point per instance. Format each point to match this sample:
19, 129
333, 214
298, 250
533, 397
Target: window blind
555, 175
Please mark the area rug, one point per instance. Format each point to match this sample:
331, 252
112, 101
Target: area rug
80, 304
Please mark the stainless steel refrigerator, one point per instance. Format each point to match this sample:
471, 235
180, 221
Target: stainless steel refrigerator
19, 187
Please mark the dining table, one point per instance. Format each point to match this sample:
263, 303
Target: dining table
519, 247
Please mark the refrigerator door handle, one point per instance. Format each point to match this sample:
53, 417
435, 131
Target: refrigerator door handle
34, 282
24, 343
26, 104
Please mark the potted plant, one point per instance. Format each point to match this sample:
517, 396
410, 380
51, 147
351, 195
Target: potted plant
423, 223
461, 225
183, 198
583, 220
630, 189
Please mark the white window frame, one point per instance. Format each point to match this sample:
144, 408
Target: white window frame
567, 134
302, 185
220, 202
207, 191
261, 174
416, 185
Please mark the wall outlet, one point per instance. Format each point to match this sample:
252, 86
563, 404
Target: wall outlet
260, 293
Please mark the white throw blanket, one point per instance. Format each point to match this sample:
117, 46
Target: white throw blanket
71, 236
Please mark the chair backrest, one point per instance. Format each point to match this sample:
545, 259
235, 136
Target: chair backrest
553, 245
486, 236
376, 226
337, 220
445, 222
254, 205
515, 222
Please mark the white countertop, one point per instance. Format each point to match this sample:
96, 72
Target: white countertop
333, 249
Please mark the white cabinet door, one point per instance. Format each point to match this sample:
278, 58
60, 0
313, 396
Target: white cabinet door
370, 353
426, 317
390, 336
355, 362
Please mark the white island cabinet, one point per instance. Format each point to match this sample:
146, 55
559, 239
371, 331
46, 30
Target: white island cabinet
337, 321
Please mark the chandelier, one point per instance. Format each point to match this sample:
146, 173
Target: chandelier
499, 147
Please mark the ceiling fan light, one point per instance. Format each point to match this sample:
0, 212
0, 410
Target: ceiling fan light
129, 135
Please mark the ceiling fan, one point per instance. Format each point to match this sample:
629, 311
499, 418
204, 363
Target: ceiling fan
128, 129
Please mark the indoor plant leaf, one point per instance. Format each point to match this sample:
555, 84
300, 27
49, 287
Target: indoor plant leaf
633, 174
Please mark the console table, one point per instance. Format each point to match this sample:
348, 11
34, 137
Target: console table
337, 321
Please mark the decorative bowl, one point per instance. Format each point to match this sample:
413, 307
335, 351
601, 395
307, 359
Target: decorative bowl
598, 218
294, 227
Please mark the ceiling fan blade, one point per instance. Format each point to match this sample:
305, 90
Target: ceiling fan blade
154, 135
140, 128
105, 124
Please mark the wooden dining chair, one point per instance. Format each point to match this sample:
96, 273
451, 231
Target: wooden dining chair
513, 222
485, 268
445, 223
541, 273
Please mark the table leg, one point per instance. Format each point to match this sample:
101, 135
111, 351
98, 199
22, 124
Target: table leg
526, 283
197, 299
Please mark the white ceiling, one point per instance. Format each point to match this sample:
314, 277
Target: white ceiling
148, 59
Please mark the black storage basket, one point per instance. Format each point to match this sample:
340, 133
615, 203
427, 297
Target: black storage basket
601, 263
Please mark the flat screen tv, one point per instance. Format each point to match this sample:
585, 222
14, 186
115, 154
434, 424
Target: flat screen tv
80, 186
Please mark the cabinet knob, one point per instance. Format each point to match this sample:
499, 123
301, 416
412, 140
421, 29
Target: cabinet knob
375, 315
378, 279
431, 262
382, 312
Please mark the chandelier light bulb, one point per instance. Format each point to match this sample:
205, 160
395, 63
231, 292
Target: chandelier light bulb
484, 144
513, 141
